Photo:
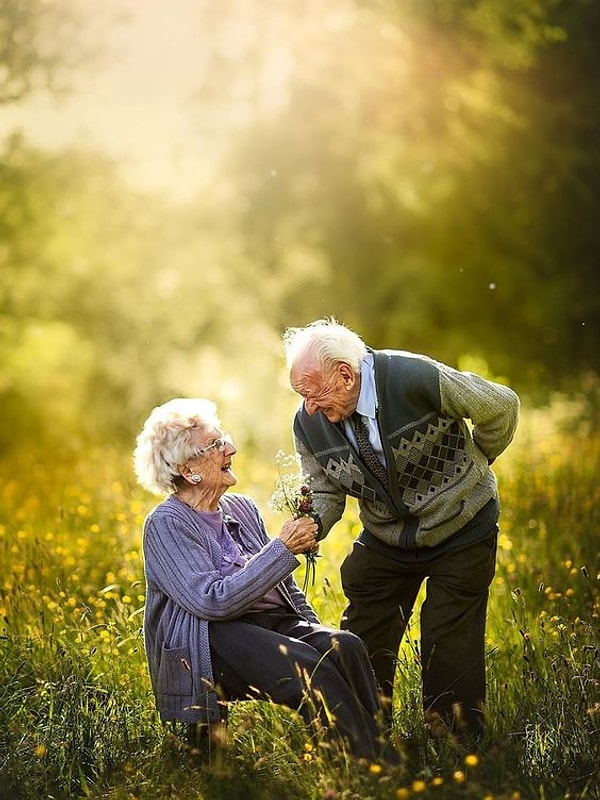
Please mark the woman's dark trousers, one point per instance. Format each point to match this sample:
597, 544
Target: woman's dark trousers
323, 673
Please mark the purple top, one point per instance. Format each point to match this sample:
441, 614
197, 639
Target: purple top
235, 556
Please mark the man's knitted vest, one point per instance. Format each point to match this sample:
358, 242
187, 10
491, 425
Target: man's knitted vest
438, 478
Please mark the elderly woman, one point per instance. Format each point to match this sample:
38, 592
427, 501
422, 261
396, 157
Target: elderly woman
223, 613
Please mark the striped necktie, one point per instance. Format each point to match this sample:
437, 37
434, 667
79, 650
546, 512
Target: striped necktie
365, 449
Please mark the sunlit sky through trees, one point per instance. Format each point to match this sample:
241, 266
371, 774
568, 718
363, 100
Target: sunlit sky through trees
134, 94
133, 99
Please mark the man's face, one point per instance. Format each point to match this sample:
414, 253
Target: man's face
334, 393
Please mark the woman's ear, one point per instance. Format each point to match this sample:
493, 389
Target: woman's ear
184, 471
189, 475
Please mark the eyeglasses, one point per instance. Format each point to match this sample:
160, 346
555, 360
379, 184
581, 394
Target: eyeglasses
219, 445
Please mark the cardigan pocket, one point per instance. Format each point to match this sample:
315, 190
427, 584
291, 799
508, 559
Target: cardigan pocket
175, 675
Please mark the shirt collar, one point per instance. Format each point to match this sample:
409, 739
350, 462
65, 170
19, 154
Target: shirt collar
367, 399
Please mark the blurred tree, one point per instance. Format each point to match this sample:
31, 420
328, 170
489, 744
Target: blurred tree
111, 303
402, 165
69, 244
426, 171
526, 231
41, 42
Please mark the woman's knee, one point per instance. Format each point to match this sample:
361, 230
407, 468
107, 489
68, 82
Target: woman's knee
348, 642
348, 649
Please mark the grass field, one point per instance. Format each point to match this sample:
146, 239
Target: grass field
77, 717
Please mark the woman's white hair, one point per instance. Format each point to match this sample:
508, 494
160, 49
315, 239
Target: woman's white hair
165, 441
326, 340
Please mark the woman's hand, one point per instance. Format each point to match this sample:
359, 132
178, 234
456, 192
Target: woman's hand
299, 535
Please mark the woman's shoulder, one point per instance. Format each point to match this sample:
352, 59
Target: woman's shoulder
169, 508
233, 502
168, 505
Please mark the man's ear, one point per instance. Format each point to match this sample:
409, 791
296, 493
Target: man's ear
349, 376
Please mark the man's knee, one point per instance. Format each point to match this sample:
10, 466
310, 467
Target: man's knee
351, 572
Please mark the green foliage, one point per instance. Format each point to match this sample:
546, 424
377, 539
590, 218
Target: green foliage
436, 199
110, 305
443, 200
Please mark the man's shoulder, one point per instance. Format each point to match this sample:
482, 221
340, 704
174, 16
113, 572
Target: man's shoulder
402, 356
404, 365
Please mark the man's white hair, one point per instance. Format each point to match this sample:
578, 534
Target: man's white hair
328, 341
165, 441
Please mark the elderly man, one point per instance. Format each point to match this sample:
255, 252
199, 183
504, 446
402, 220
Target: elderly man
389, 428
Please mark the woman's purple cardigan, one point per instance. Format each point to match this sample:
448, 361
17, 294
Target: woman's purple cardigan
185, 591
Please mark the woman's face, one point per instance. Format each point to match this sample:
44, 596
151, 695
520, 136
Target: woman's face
214, 464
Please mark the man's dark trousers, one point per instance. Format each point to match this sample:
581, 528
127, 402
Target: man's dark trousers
381, 593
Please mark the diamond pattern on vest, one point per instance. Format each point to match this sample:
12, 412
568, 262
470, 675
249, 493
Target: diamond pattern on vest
350, 477
432, 459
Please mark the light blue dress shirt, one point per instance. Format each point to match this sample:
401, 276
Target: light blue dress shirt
366, 407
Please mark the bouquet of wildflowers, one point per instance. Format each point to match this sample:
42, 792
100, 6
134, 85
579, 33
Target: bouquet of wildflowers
294, 495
